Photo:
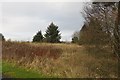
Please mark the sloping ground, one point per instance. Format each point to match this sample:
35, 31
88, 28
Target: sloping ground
61, 60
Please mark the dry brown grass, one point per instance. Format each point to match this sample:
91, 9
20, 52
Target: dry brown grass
61, 60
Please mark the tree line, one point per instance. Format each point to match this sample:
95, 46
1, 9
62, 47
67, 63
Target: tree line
101, 26
52, 35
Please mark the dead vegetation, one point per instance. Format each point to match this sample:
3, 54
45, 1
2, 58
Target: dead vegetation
61, 60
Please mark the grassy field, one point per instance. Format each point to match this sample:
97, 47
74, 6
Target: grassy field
11, 70
60, 60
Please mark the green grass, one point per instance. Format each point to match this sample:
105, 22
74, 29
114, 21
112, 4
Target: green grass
10, 70
0, 66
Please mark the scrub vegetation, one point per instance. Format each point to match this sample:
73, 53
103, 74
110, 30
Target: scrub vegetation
59, 60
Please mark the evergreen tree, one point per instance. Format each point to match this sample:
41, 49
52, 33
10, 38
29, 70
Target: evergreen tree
52, 34
38, 37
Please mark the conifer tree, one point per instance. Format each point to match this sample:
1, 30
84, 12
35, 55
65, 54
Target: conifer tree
38, 37
52, 34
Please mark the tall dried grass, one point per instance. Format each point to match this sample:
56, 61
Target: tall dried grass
61, 60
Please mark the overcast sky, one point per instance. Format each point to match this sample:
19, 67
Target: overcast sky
22, 20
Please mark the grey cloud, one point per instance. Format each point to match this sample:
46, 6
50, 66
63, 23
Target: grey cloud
28, 17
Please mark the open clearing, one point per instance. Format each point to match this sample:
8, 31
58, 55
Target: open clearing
60, 60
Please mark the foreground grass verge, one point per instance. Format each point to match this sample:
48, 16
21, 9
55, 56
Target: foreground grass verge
10, 70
